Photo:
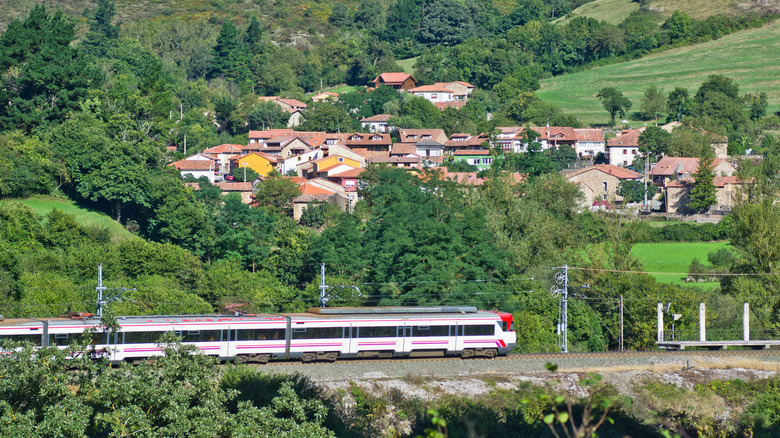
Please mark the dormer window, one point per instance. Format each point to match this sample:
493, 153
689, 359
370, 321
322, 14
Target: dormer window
355, 138
376, 138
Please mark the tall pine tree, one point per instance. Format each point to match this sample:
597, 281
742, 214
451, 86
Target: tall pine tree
702, 194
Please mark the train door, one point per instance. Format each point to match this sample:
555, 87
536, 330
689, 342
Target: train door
404, 338
353, 347
456, 337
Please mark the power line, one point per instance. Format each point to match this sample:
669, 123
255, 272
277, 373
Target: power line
721, 274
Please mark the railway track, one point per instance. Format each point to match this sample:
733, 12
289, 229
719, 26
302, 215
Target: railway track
613, 357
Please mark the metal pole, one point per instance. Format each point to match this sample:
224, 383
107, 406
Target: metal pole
647, 164
323, 286
746, 322
660, 337
100, 289
565, 343
702, 330
621, 323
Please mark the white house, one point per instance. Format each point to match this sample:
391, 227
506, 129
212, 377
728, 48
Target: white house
434, 93
377, 123
590, 142
624, 148
290, 163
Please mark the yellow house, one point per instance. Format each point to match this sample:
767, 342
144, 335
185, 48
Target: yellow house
334, 160
260, 162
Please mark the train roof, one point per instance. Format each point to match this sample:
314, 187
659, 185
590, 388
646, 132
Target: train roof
313, 313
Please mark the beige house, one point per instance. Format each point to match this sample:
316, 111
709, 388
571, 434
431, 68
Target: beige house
601, 182
678, 168
727, 191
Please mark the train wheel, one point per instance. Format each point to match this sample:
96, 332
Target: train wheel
490, 353
331, 357
469, 352
308, 357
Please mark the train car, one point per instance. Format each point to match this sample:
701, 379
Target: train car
319, 334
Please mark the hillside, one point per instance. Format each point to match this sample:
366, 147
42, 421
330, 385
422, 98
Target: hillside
84, 216
748, 57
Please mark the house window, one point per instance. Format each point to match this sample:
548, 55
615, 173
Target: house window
605, 185
434, 96
625, 151
376, 138
341, 160
635, 151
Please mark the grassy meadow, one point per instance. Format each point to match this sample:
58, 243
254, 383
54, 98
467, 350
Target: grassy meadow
84, 216
749, 57
611, 11
675, 258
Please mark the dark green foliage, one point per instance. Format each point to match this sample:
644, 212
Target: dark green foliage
328, 118
654, 141
448, 22
45, 77
102, 21
702, 195
678, 26
614, 102
634, 191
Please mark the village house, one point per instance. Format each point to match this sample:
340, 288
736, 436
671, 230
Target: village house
399, 81
434, 93
727, 191
590, 143
416, 135
199, 165
347, 179
670, 169
260, 162
294, 107
429, 148
223, 154
551, 137
377, 123
464, 142
286, 165
718, 143
601, 182
624, 148
369, 142
480, 158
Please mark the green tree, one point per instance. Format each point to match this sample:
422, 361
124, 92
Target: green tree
102, 21
44, 77
678, 104
447, 22
653, 142
653, 102
633, 191
702, 195
679, 26
614, 102
425, 112
339, 15
276, 192
756, 234
757, 104
327, 117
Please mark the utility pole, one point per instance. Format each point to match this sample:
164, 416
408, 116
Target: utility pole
323, 287
114, 295
647, 165
562, 279
621, 323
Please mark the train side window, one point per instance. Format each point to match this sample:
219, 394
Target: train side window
434, 330
318, 333
480, 330
142, 337
33, 339
354, 332
378, 332
259, 335
200, 335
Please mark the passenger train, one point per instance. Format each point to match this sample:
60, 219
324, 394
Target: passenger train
320, 334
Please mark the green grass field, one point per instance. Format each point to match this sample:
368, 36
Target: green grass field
84, 216
675, 258
407, 64
611, 11
749, 57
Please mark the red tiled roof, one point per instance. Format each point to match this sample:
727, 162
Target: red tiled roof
414, 159
404, 148
333, 167
268, 157
668, 166
377, 118
589, 135
370, 154
225, 148
627, 139
311, 189
418, 134
234, 186
465, 84
560, 133
435, 88
194, 165
392, 78
618, 172
270, 133
351, 173
293, 102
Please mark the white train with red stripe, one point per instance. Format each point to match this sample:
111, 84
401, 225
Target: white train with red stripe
319, 334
